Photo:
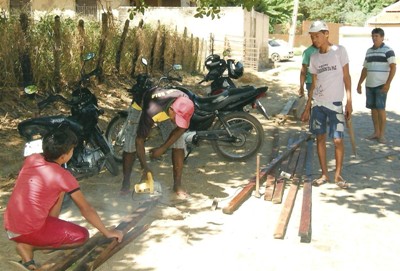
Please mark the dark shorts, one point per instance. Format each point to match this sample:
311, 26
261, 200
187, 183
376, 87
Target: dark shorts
55, 233
332, 116
375, 98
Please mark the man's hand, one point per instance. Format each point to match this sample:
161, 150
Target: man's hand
348, 111
156, 152
359, 91
301, 91
115, 234
385, 88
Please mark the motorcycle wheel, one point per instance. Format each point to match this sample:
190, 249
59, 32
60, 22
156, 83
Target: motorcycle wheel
111, 165
248, 136
115, 135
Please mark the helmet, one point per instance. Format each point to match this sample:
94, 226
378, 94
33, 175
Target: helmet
235, 70
215, 62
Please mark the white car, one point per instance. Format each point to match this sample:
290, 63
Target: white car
279, 50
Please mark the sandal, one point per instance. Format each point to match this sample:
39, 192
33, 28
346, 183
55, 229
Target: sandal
342, 184
319, 182
29, 265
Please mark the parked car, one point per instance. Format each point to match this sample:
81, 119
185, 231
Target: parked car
279, 50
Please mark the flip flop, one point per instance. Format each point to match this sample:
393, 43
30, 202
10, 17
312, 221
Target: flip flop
24, 266
372, 137
319, 182
342, 184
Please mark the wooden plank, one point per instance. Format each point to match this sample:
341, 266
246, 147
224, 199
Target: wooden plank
305, 228
245, 193
270, 181
305, 218
128, 238
288, 166
63, 261
287, 209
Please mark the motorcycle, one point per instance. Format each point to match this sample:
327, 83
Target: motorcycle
220, 81
93, 151
234, 134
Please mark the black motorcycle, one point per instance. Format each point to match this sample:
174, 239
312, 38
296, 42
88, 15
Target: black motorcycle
220, 119
93, 151
220, 82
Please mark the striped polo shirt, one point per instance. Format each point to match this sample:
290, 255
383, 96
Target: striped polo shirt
377, 62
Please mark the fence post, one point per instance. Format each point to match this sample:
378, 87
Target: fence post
56, 53
24, 55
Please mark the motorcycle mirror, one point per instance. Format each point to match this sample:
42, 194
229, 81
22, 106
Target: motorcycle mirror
177, 67
144, 61
89, 56
32, 89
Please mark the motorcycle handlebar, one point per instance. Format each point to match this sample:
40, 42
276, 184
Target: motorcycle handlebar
51, 99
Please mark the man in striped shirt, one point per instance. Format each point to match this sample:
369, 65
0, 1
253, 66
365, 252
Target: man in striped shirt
379, 69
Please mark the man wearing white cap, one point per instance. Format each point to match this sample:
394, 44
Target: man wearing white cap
174, 107
330, 77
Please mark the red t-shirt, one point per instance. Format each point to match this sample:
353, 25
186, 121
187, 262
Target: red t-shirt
36, 190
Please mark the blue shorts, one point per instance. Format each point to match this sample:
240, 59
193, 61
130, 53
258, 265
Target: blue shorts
322, 116
376, 99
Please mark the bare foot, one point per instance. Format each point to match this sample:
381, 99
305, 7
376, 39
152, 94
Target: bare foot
180, 192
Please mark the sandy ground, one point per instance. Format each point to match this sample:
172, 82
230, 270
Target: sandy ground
352, 229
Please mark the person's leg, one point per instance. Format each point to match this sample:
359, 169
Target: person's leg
321, 150
381, 114
375, 121
381, 125
371, 104
128, 159
129, 150
178, 156
318, 122
25, 251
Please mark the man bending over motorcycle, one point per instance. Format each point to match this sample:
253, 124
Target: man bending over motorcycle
31, 218
173, 107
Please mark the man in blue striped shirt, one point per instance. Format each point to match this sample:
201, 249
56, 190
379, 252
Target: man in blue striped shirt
379, 69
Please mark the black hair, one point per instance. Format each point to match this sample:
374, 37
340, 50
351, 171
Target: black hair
58, 142
378, 31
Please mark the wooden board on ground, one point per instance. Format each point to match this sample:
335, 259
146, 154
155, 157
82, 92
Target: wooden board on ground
298, 107
287, 166
287, 208
63, 260
270, 181
305, 228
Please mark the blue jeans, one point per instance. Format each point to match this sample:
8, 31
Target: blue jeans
322, 117
376, 99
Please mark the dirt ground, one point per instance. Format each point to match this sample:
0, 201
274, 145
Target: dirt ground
352, 229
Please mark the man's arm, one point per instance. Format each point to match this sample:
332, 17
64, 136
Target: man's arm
303, 74
90, 214
392, 72
307, 110
174, 135
361, 80
347, 86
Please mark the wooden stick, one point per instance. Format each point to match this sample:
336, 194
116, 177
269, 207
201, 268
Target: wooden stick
270, 182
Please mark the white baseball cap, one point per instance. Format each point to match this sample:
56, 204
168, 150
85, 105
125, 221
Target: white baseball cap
318, 26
